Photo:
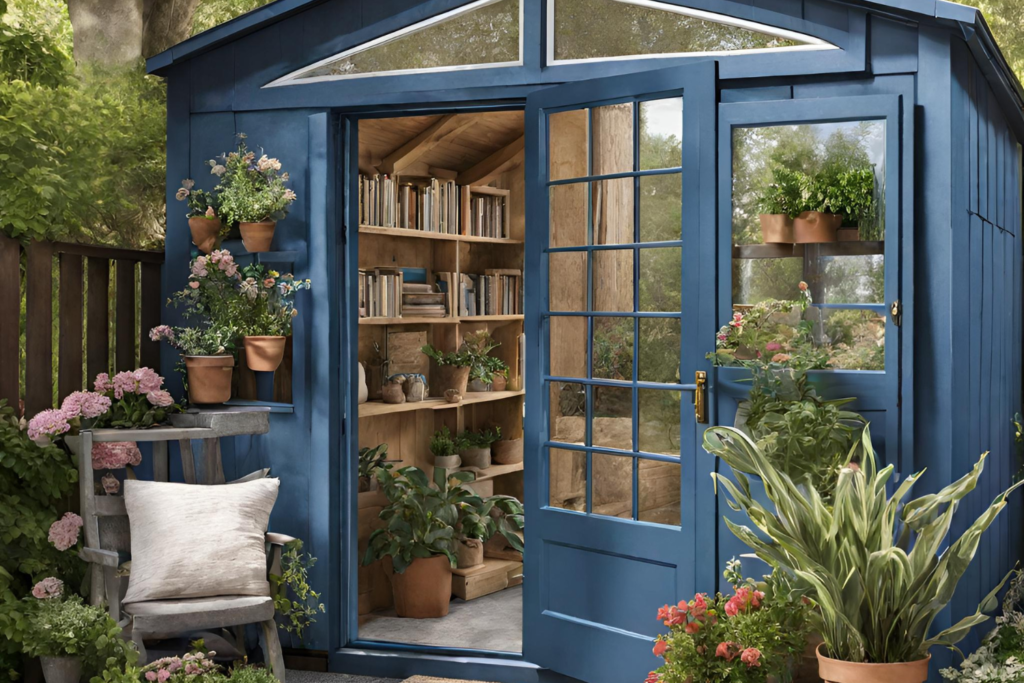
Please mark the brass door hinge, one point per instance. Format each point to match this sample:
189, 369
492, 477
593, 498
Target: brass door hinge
700, 397
896, 313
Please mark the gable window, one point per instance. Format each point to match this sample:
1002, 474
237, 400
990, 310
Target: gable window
486, 33
585, 30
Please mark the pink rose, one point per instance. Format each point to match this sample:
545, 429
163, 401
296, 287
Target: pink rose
162, 675
693, 627
50, 587
151, 676
726, 651
751, 657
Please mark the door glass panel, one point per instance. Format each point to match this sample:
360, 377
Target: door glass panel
661, 280
567, 346
659, 413
661, 133
613, 349
612, 214
568, 147
661, 207
567, 485
567, 276
567, 209
568, 409
613, 418
613, 485
612, 280
658, 352
659, 494
612, 139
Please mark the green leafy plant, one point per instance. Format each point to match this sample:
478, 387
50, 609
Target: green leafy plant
252, 189
482, 439
200, 203
1000, 658
266, 304
59, 627
483, 518
840, 189
843, 553
459, 359
783, 195
443, 444
370, 459
295, 601
482, 366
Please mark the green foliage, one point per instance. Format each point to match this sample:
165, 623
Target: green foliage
443, 444
460, 359
212, 340
483, 367
266, 303
1000, 659
29, 53
59, 627
783, 194
251, 674
844, 552
483, 518
843, 190
300, 609
482, 439
251, 189
370, 459
200, 203
212, 13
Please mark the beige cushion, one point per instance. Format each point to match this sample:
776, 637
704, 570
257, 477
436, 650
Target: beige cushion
191, 541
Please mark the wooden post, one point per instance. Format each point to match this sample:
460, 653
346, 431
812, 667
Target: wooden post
10, 320
97, 310
149, 314
69, 346
124, 348
39, 328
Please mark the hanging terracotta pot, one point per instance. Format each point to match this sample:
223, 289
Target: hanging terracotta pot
776, 228
450, 377
470, 552
815, 227
257, 236
205, 233
838, 671
209, 378
508, 452
424, 589
263, 354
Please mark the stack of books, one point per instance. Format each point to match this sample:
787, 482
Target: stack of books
496, 292
487, 216
439, 207
422, 301
378, 201
381, 293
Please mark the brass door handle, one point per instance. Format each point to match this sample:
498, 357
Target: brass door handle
700, 397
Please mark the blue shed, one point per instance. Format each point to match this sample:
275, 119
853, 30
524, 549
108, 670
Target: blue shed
585, 180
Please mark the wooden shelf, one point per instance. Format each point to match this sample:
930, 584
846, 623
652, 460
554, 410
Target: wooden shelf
489, 318
375, 408
423, 234
853, 248
493, 471
448, 320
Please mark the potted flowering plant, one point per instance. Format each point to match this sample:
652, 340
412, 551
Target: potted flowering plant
252, 194
266, 304
203, 220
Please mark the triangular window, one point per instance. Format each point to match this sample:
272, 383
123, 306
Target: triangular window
485, 33
584, 30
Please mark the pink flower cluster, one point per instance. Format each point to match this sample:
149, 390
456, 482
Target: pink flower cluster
64, 532
161, 332
191, 664
221, 258
729, 650
141, 381
115, 455
84, 404
48, 423
744, 599
48, 588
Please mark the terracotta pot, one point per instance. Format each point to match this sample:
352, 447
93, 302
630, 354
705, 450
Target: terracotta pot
257, 236
470, 552
450, 377
776, 228
848, 235
61, 669
205, 233
424, 589
479, 458
507, 452
263, 354
838, 671
815, 227
209, 378
499, 383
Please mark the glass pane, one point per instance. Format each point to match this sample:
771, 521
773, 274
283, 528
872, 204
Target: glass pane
856, 338
660, 497
661, 207
594, 29
568, 412
612, 139
613, 348
612, 217
658, 355
613, 418
567, 487
567, 286
613, 280
659, 412
613, 485
567, 347
850, 280
568, 136
488, 34
568, 211
661, 280
661, 133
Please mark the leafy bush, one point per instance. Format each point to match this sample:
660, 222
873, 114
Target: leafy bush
842, 189
1000, 659
65, 626
443, 444
372, 458
783, 194
299, 611
251, 189
482, 439
266, 304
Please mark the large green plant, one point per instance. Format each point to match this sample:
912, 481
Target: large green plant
879, 574
783, 194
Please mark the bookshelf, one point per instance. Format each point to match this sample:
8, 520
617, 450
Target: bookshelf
473, 239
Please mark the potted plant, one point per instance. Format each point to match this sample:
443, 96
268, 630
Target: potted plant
837, 195
999, 657
851, 193
209, 359
480, 520
777, 204
370, 459
475, 447
418, 536
499, 381
203, 220
66, 634
451, 372
266, 303
507, 451
865, 539
252, 194
481, 372
445, 449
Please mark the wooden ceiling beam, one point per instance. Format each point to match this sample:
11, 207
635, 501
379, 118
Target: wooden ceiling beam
436, 133
506, 158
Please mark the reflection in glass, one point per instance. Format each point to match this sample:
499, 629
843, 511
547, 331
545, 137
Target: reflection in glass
569, 136
660, 497
567, 286
613, 485
658, 355
567, 479
568, 409
612, 139
661, 207
660, 414
613, 418
661, 134
612, 217
613, 280
661, 280
567, 348
567, 208
613, 348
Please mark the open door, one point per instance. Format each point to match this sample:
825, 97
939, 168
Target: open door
620, 305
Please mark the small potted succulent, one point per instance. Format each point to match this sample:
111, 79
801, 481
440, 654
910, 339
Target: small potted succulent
203, 220
475, 447
445, 449
370, 460
777, 203
253, 194
266, 309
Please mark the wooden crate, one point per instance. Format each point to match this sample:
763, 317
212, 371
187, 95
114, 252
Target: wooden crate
490, 577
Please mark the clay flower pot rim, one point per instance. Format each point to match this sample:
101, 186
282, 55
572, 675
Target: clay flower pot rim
220, 355
870, 672
265, 336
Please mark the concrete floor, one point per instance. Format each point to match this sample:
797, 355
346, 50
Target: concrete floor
493, 622
320, 677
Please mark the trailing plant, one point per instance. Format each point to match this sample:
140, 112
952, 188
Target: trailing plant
212, 291
370, 459
300, 609
482, 439
1000, 658
783, 195
267, 301
443, 444
252, 190
212, 340
842, 553
200, 203
751, 636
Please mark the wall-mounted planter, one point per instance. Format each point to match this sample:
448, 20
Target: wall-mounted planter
263, 354
816, 227
776, 228
257, 236
209, 378
205, 233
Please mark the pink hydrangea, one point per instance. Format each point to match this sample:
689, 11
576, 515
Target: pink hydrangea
50, 587
84, 404
161, 332
47, 423
102, 383
115, 455
64, 532
161, 398
199, 267
148, 380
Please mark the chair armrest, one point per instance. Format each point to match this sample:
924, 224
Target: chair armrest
274, 544
278, 539
104, 558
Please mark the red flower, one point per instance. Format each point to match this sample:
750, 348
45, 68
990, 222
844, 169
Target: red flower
675, 617
751, 657
693, 627
700, 606
726, 651
732, 607
660, 648
663, 613
653, 677
683, 606
758, 596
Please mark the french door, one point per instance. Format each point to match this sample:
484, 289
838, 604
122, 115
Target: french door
620, 311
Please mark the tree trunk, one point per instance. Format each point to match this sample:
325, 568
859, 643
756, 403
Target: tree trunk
106, 32
166, 23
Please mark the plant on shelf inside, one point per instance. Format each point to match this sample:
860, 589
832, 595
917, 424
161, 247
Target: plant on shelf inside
203, 221
475, 447
842, 552
445, 448
295, 601
253, 194
452, 371
849, 191
778, 203
266, 309
753, 635
370, 460
481, 519
1000, 658
479, 345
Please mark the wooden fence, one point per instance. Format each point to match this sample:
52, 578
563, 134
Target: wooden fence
104, 302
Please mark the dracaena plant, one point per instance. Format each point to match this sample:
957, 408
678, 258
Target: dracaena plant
878, 573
